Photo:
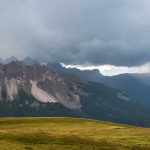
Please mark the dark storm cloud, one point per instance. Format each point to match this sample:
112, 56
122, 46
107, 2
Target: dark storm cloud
76, 31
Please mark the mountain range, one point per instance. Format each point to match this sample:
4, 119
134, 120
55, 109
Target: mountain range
46, 90
136, 86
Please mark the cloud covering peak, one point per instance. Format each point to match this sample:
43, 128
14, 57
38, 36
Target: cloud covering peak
77, 31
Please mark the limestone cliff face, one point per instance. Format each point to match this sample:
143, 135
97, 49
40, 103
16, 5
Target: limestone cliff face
38, 81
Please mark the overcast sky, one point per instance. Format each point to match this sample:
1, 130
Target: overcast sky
97, 32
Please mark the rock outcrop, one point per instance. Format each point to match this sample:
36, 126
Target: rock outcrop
43, 84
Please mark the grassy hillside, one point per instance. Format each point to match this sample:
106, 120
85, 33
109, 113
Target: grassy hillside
70, 134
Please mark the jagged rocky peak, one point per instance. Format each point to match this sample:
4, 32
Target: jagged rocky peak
15, 69
38, 81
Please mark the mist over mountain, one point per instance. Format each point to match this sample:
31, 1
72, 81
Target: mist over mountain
27, 60
91, 75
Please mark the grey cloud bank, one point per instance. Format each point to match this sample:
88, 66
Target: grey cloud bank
96, 32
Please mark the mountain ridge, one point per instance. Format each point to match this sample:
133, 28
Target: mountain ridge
39, 91
136, 86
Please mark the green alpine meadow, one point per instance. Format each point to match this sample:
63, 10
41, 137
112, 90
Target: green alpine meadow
70, 134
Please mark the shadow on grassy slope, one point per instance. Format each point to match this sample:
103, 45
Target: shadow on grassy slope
69, 142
